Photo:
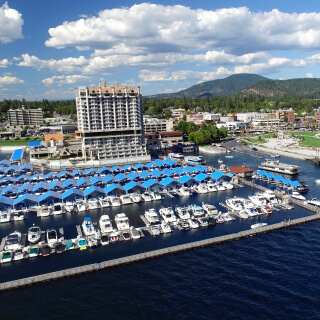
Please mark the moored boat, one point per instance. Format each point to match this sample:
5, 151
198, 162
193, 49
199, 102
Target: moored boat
258, 225
34, 234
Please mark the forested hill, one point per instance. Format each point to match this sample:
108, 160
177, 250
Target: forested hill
217, 88
304, 88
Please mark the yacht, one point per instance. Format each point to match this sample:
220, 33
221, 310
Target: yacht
176, 156
248, 204
235, 203
104, 202
18, 255
200, 188
258, 225
211, 187
193, 223
146, 196
203, 222
183, 213
266, 209
220, 186
276, 166
271, 197
125, 199
115, 201
227, 217
227, 185
6, 256
69, 206
18, 215
13, 241
194, 160
297, 195
34, 234
52, 237
209, 209
136, 198
313, 202
196, 211
155, 230
165, 227
57, 208
81, 206
93, 204
135, 234
4, 216
122, 222
88, 227
167, 215
152, 216
105, 224
156, 195
183, 191
242, 214
45, 211
251, 212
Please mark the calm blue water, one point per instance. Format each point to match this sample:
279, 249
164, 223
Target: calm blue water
271, 276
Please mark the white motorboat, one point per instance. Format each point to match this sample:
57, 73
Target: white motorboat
266, 209
271, 197
92, 240
81, 206
136, 198
104, 202
211, 187
105, 224
209, 209
45, 210
176, 156
155, 230
69, 206
242, 214
220, 161
82, 243
259, 199
248, 204
220, 187
183, 213
115, 201
193, 223
203, 222
34, 234
317, 181
13, 241
196, 211
52, 237
195, 160
313, 202
33, 251
57, 208
88, 227
235, 203
146, 196
18, 255
104, 239
18, 215
258, 225
135, 234
165, 227
297, 195
227, 217
167, 215
227, 185
156, 195
125, 199
4, 216
6, 256
122, 222
200, 188
113, 237
93, 204
183, 191
251, 212
152, 216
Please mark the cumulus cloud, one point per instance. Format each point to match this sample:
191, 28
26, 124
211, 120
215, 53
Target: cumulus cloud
63, 65
309, 75
5, 63
10, 24
61, 80
10, 80
150, 28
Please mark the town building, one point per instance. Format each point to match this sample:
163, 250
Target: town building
286, 115
317, 116
154, 125
110, 123
23, 117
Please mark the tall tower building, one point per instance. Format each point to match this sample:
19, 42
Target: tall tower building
110, 123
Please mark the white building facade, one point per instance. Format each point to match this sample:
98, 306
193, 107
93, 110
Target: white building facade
110, 123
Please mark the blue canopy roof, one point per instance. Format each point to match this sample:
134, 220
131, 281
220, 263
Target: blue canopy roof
69, 182
138, 166
37, 175
278, 178
111, 187
83, 181
201, 176
103, 169
166, 181
10, 179
269, 175
216, 175
34, 144
50, 194
93, 189
150, 165
17, 155
294, 184
157, 161
126, 167
6, 200
153, 172
185, 178
5, 163
23, 177
51, 174
9, 189
107, 179
65, 173
119, 175
132, 176
196, 168
230, 174
77, 172
90, 170
27, 167
13, 167
41, 185
261, 172
149, 183
131, 185
72, 192
96, 179
26, 197
159, 173
114, 168
56, 183
26, 186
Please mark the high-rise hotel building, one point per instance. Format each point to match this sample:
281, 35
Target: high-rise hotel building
110, 123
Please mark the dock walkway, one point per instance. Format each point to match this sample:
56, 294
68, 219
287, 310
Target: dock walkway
151, 254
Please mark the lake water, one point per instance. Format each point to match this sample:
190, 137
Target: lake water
271, 276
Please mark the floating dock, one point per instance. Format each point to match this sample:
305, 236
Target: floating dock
151, 254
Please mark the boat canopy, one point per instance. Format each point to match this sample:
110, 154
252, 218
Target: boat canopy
103, 170
13, 168
111, 187
126, 167
50, 194
51, 174
9, 179
6, 200
96, 179
166, 181
5, 163
132, 175
77, 172
83, 181
149, 183
261, 172
216, 175
65, 173
230, 174
17, 155
200, 177
90, 170
184, 179
41, 185
160, 173
130, 185
27, 198
23, 177
114, 168
56, 184
26, 187
157, 161
69, 182
10, 189
108, 178
72, 193
151, 165
37, 176
269, 175
26, 167
93, 190
294, 184
144, 174
138, 166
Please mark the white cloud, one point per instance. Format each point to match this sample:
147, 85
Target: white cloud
10, 80
61, 80
309, 75
63, 65
10, 24
150, 28
5, 63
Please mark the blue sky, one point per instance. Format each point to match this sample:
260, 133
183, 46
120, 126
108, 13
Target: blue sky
48, 48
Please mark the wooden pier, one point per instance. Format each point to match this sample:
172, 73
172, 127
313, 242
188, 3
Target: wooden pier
151, 254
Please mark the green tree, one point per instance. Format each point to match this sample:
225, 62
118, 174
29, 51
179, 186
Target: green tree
191, 127
223, 132
183, 126
197, 137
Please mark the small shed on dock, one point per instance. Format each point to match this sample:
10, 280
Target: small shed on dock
241, 171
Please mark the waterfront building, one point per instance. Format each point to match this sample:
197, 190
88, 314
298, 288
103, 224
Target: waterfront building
289, 115
110, 123
23, 117
154, 125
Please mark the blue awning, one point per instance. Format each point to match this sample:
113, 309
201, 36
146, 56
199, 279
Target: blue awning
83, 181
26, 187
229, 174
107, 179
126, 167
69, 182
295, 184
114, 168
278, 178
5, 163
17, 155
90, 170
65, 173
34, 144
96, 179
145, 174
150, 165
269, 175
201, 176
50, 194
157, 161
158, 174
184, 179
13, 168
133, 176
149, 183
27, 197
6, 200
216, 175
72, 192
103, 169
77, 172
261, 172
111, 187
38, 176
10, 189
131, 185
138, 166
26, 167
10, 179
51, 174
41, 185
54, 184
166, 181
23, 177
95, 190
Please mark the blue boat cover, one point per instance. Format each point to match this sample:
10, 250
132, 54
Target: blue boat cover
216, 175
93, 189
114, 168
23, 177
26, 166
149, 183
34, 144
6, 200
17, 155
184, 179
73, 191
28, 197
50, 194
166, 181
111, 187
5, 163
201, 176
138, 166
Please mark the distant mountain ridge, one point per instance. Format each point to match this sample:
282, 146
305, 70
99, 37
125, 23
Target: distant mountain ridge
245, 83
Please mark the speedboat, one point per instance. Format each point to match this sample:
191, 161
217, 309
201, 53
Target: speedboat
135, 234
5, 216
45, 211
125, 199
184, 225
45, 250
69, 206
193, 223
113, 237
220, 186
13, 241
81, 206
209, 209
317, 181
227, 185
104, 239
52, 237
313, 202
183, 213
251, 212
165, 227
152, 216
196, 211
88, 227
93, 204
34, 234
18, 215
146, 196
126, 235
105, 224
227, 217
297, 195
200, 188
167, 215
92, 240
242, 214
18, 255
57, 208
156, 195
33, 251
220, 161
135, 197
115, 201
235, 203
258, 225
6, 256
183, 191
104, 202
203, 222
59, 247
154, 230
266, 209
211, 187
82, 243
122, 222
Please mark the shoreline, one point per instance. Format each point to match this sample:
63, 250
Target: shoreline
212, 150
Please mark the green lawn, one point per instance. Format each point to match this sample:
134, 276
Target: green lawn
310, 142
20, 142
256, 140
